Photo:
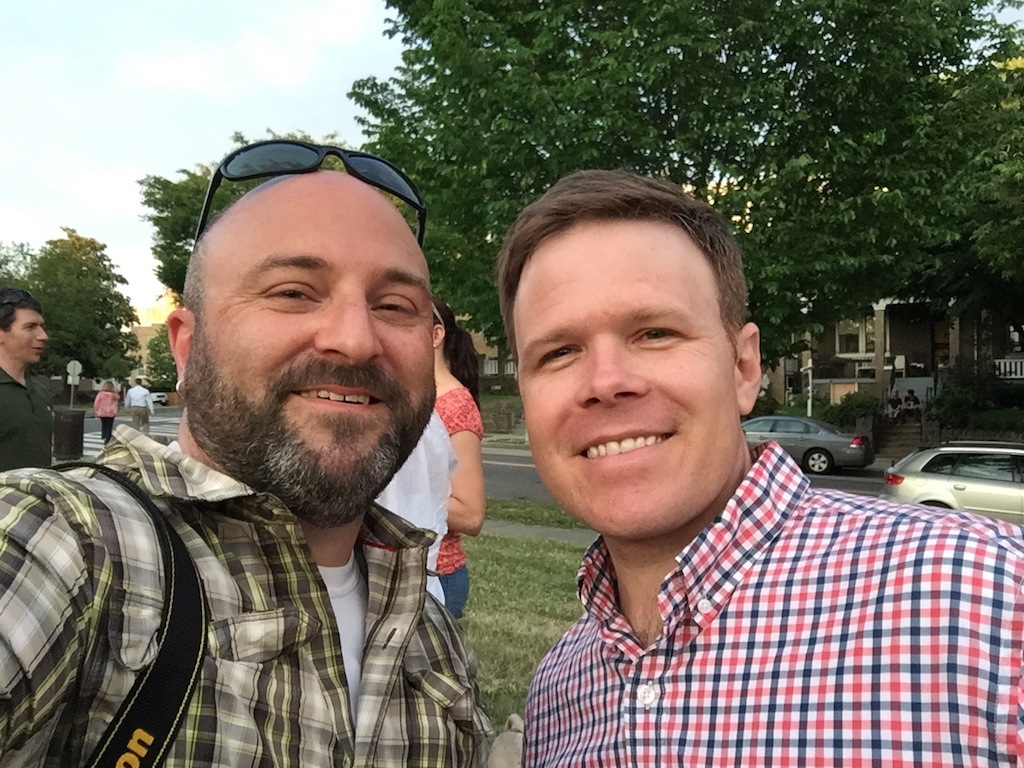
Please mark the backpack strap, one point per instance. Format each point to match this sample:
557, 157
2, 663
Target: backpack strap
149, 718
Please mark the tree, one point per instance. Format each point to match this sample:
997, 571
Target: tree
15, 259
87, 317
163, 372
175, 205
811, 126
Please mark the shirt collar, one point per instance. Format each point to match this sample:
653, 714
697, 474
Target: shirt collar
713, 564
166, 472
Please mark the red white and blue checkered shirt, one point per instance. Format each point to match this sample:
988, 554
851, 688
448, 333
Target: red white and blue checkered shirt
802, 628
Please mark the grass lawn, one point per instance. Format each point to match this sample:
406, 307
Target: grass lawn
550, 515
522, 598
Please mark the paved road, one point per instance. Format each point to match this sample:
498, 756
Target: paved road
508, 470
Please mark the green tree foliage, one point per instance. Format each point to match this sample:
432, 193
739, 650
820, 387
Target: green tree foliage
175, 205
981, 267
162, 371
15, 260
815, 127
87, 316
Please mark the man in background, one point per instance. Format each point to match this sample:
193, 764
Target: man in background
26, 418
139, 402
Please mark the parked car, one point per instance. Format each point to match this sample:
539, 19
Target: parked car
159, 398
984, 477
818, 447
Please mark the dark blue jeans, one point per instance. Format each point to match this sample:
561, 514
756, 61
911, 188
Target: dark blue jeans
456, 590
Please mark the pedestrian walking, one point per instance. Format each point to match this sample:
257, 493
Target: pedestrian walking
139, 402
105, 405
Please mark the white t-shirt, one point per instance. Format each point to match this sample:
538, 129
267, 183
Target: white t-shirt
347, 590
419, 491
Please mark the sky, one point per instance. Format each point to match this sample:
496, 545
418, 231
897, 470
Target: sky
98, 95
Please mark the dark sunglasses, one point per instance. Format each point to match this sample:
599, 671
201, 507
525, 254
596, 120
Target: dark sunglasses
280, 157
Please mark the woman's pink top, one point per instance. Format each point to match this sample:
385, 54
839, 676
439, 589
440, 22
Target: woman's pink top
105, 404
459, 413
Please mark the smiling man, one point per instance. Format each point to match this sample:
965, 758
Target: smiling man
26, 417
734, 617
305, 361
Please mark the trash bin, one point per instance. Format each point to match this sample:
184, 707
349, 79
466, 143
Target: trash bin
68, 434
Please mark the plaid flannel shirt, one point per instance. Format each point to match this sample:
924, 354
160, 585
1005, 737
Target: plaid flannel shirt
81, 600
802, 628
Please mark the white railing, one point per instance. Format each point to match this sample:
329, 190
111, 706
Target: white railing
491, 367
1010, 368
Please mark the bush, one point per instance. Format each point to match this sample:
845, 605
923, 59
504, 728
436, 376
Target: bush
765, 405
853, 406
999, 420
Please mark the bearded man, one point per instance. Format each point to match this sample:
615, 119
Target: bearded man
305, 361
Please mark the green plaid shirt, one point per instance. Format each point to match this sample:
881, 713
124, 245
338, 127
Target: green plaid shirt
81, 599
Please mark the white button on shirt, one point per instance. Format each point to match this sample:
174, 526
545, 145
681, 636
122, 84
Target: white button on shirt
704, 605
646, 695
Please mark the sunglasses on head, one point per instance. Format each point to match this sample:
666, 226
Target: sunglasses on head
281, 157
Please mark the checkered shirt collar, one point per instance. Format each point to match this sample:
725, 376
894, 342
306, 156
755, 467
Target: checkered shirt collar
169, 473
713, 564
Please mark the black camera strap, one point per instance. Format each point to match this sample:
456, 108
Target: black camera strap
149, 718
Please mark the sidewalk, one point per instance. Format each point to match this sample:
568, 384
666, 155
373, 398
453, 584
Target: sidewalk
578, 536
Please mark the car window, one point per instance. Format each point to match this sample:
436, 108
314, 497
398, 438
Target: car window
792, 427
942, 464
986, 467
758, 425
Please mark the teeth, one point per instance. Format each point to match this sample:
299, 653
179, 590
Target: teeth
615, 447
323, 394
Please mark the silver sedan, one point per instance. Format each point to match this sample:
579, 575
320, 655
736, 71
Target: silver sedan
818, 447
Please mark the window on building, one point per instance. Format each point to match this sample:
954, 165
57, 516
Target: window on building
856, 337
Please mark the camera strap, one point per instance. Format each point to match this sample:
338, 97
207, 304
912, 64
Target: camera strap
149, 718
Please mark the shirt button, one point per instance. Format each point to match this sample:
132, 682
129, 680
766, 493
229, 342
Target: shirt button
704, 605
646, 694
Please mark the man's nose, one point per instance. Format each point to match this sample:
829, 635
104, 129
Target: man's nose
612, 373
347, 328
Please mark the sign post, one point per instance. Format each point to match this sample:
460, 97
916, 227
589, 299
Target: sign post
74, 369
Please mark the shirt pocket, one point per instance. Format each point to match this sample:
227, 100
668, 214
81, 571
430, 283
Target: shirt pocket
453, 697
260, 636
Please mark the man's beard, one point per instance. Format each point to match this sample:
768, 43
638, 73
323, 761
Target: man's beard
251, 441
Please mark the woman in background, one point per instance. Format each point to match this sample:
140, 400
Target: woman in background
457, 376
105, 405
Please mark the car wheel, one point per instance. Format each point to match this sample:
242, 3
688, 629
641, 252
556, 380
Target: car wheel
818, 461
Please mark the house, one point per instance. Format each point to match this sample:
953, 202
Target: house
897, 345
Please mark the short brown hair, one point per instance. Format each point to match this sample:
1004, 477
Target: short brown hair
589, 196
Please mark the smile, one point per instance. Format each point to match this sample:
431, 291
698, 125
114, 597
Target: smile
323, 394
616, 447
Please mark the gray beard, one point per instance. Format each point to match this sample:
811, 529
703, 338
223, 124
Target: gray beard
251, 441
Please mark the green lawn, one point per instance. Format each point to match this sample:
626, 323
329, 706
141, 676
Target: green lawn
516, 511
522, 598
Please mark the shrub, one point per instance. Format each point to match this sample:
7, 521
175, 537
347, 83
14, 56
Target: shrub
853, 406
765, 405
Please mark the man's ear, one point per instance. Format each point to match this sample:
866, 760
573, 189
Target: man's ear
181, 324
438, 335
748, 367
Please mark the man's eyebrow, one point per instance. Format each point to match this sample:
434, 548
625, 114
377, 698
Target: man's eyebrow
286, 261
406, 277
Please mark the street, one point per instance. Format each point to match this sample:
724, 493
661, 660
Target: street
508, 471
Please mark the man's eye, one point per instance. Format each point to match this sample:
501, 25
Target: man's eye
655, 333
555, 354
292, 293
